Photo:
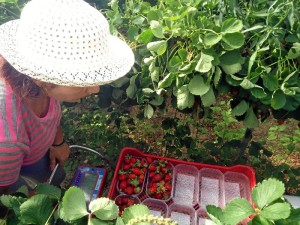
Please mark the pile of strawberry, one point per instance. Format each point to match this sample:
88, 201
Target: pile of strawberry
132, 175
159, 183
124, 201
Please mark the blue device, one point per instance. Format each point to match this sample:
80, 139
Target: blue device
90, 180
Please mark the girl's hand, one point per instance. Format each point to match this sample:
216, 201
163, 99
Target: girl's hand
59, 155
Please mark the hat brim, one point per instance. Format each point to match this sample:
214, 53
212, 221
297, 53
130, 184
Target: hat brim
120, 61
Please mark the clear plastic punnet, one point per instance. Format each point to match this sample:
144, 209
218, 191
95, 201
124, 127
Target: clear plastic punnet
211, 188
157, 208
186, 185
183, 215
202, 218
236, 185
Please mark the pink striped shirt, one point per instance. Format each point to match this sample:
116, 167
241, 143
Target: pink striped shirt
24, 137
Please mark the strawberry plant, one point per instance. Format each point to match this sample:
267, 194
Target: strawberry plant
48, 206
132, 175
159, 182
125, 201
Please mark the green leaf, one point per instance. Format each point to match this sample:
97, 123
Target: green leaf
12, 202
174, 63
184, 98
231, 69
157, 46
135, 211
251, 61
294, 52
146, 36
157, 29
132, 33
270, 81
205, 63
231, 57
216, 212
36, 210
276, 211
49, 190
167, 80
95, 221
73, 204
266, 192
234, 40
132, 88
237, 210
211, 39
119, 221
148, 111
209, 98
104, 208
259, 220
217, 76
231, 25
247, 84
197, 86
258, 92
240, 109
120, 82
182, 54
158, 100
250, 120
278, 100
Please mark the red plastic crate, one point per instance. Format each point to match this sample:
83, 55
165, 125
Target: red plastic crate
246, 170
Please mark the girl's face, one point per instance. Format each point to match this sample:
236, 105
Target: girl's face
66, 93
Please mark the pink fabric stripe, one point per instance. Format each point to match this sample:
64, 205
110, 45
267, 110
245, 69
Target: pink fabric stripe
9, 112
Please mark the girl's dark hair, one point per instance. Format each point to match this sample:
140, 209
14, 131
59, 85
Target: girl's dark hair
22, 85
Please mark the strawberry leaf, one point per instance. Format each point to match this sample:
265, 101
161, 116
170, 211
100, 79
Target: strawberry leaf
237, 210
73, 204
104, 208
36, 210
266, 192
276, 211
49, 190
135, 211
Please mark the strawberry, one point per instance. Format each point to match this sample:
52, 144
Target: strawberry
132, 176
119, 201
152, 168
127, 159
126, 167
157, 178
158, 195
151, 174
122, 185
137, 171
149, 159
168, 186
131, 201
168, 177
122, 177
128, 190
280, 121
124, 201
133, 160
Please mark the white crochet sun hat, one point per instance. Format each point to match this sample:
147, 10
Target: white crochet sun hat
64, 42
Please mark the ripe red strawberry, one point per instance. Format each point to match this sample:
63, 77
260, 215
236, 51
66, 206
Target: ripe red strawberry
280, 121
142, 176
122, 177
133, 160
158, 195
137, 171
130, 202
157, 178
168, 186
152, 190
151, 174
152, 168
126, 167
122, 185
168, 177
132, 176
119, 201
128, 190
149, 159
164, 170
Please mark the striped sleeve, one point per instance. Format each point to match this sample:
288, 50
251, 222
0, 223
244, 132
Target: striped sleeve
11, 157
